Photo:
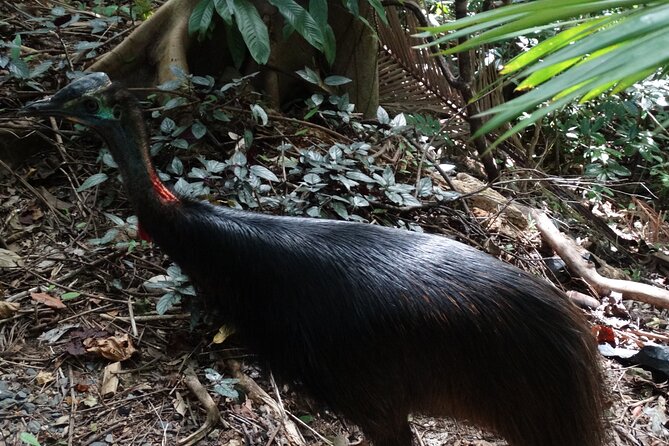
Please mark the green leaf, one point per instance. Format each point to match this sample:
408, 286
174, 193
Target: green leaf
166, 302
200, 18
634, 26
300, 19
168, 125
263, 172
541, 76
69, 296
319, 11
19, 68
15, 53
309, 75
339, 209
336, 80
353, 7
223, 9
329, 44
198, 129
553, 44
253, 30
29, 438
92, 181
259, 114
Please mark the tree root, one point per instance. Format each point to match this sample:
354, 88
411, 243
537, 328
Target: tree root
569, 252
213, 415
146, 55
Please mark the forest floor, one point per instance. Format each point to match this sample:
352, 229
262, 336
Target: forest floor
85, 358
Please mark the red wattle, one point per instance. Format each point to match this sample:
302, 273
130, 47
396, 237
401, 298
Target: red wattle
165, 195
163, 192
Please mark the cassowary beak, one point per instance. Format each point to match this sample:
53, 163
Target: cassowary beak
39, 108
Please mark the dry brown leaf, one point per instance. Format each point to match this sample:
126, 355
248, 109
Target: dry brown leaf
47, 300
44, 377
223, 333
8, 309
53, 201
115, 348
9, 259
179, 404
110, 379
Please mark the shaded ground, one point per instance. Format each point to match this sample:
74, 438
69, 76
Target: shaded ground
76, 283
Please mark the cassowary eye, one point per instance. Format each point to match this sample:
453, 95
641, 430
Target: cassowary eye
91, 105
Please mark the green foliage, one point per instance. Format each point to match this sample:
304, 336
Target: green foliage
176, 287
244, 26
222, 386
121, 236
29, 439
599, 50
618, 137
19, 67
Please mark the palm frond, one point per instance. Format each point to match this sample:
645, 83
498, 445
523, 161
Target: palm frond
605, 45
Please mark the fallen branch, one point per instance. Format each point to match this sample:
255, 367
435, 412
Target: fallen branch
569, 252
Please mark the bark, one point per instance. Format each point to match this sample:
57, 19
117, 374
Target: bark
466, 68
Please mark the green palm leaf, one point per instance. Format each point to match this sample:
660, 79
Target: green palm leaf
606, 45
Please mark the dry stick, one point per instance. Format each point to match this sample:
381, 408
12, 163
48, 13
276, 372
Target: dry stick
73, 406
256, 393
567, 250
148, 318
131, 316
213, 415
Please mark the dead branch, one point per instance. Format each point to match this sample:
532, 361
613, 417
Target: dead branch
568, 251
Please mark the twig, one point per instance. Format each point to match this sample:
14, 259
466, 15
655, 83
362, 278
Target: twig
602, 285
73, 406
131, 316
148, 318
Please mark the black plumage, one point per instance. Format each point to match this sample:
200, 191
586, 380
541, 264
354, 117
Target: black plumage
377, 322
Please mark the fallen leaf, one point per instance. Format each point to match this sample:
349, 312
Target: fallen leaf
8, 309
110, 379
115, 348
90, 401
47, 300
44, 377
75, 346
224, 332
53, 201
55, 334
179, 404
9, 259
65, 419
